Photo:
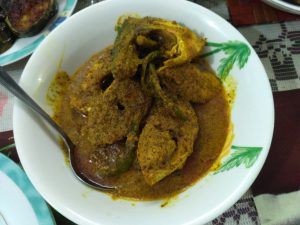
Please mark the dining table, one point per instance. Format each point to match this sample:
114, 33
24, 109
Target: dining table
275, 36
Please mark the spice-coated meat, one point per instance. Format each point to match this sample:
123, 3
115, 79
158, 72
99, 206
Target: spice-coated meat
166, 141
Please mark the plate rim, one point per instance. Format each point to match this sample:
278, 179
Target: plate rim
19, 178
284, 6
28, 49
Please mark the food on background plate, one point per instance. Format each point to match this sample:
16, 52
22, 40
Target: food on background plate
26, 18
7, 38
148, 114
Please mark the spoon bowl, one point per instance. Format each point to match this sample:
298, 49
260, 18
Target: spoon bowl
17, 91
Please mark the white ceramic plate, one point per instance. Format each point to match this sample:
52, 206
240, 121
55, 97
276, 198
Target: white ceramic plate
20, 202
25, 46
91, 30
284, 6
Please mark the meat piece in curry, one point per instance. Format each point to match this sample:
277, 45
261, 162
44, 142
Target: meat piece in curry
85, 83
191, 82
122, 104
147, 115
177, 44
112, 159
166, 141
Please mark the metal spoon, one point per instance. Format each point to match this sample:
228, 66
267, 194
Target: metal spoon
16, 90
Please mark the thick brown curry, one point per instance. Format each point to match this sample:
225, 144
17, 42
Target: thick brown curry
148, 115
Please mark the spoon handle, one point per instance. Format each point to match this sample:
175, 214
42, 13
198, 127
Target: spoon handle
17, 91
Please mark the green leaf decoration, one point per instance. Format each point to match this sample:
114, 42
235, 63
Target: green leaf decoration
235, 51
241, 155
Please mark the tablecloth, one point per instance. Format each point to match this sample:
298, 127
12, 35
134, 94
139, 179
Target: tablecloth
278, 46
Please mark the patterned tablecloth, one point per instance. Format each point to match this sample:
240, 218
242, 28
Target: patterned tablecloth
278, 46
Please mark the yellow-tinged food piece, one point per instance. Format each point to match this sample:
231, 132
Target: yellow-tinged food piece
28, 17
125, 56
188, 45
177, 43
166, 141
192, 81
111, 115
86, 82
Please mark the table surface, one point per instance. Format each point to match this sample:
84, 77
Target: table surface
278, 46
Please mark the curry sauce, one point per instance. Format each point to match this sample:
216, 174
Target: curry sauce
152, 133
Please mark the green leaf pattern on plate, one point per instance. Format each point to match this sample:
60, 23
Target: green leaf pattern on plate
241, 155
235, 51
